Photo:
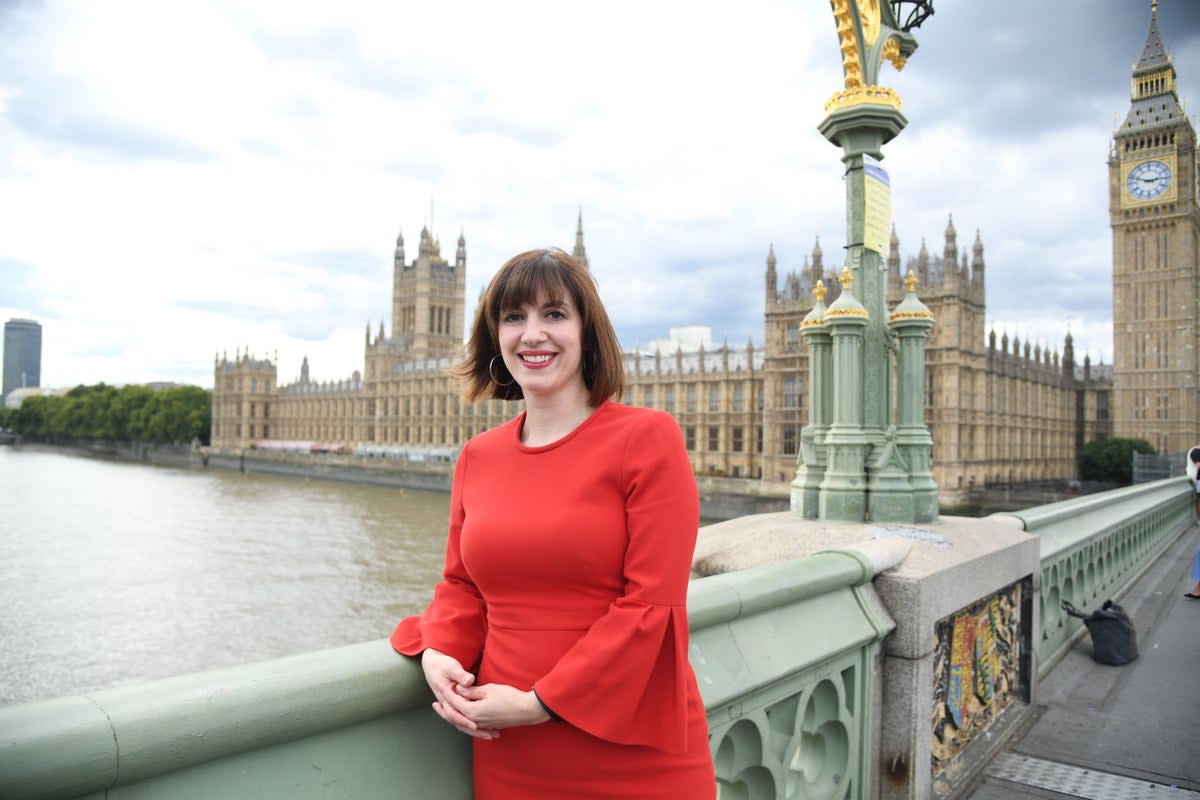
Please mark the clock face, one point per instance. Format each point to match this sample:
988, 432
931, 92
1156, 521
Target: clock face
1149, 180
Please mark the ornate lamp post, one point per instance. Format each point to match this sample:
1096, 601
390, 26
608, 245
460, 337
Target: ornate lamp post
861, 471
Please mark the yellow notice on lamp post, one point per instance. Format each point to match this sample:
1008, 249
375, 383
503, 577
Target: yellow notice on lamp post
877, 211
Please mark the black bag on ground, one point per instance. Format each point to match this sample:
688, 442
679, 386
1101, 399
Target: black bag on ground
1114, 641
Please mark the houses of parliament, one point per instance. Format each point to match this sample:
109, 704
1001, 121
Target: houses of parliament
1001, 411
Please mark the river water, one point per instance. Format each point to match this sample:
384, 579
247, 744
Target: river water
112, 573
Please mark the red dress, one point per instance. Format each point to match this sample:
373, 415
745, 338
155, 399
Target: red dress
567, 568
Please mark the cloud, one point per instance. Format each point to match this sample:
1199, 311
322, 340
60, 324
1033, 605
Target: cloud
63, 122
364, 263
230, 309
245, 188
21, 287
1033, 67
530, 135
338, 53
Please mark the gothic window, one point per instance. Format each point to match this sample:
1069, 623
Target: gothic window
791, 391
669, 399
714, 398
737, 440
254, 384
793, 336
648, 396
689, 435
789, 440
691, 398
714, 439
739, 397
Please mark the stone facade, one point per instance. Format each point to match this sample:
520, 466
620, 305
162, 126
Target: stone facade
999, 413
1153, 191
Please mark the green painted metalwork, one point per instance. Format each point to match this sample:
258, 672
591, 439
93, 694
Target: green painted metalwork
350, 722
786, 655
790, 715
858, 469
811, 461
355, 721
1094, 547
913, 442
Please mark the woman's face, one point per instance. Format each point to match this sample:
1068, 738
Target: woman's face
542, 346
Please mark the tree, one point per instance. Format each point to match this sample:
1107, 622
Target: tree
175, 415
1111, 460
30, 419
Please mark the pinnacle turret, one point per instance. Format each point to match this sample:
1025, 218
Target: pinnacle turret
1155, 100
580, 252
771, 277
818, 266
1154, 52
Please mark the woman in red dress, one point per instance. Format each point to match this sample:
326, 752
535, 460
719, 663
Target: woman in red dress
558, 637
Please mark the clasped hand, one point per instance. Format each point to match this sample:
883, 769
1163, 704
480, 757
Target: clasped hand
479, 711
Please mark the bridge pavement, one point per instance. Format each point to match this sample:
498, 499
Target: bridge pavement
1117, 733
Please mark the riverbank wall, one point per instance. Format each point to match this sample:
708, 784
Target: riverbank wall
720, 498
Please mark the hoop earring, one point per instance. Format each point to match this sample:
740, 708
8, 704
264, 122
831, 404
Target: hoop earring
492, 374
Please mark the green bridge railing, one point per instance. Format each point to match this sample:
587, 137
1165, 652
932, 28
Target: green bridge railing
355, 721
787, 656
1094, 547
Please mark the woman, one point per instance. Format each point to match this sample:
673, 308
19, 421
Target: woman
558, 638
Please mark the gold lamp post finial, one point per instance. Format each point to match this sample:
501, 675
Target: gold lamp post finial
846, 278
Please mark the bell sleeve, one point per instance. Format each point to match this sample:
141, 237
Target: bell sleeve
455, 622
627, 680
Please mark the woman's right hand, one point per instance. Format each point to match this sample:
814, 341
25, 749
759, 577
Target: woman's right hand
443, 673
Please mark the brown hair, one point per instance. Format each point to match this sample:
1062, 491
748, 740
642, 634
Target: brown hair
522, 278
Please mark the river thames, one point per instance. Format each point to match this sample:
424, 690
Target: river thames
113, 573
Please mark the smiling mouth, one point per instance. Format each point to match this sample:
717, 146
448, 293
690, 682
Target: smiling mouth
538, 359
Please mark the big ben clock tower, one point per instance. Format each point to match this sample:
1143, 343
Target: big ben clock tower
1155, 218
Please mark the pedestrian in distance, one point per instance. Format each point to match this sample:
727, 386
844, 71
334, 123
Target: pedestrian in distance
558, 637
1193, 464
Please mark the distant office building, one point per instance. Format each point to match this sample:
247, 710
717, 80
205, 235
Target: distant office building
22, 354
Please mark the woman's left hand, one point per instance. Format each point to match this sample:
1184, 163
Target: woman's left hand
496, 705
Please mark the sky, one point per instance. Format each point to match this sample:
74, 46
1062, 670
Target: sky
183, 180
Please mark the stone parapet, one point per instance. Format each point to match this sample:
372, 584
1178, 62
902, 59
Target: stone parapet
958, 575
